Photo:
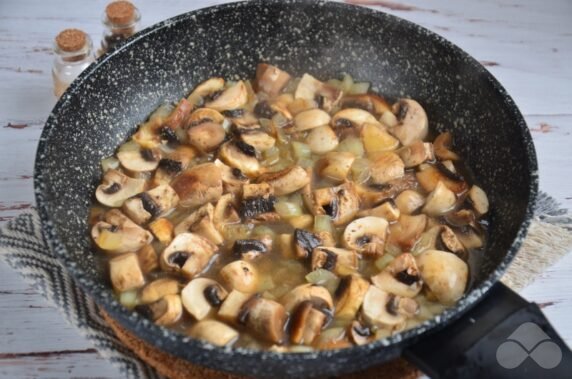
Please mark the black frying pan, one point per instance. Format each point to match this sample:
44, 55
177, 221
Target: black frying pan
401, 59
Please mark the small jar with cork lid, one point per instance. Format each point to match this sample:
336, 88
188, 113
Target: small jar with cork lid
121, 20
73, 53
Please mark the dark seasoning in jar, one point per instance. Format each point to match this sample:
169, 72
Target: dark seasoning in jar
259, 214
121, 20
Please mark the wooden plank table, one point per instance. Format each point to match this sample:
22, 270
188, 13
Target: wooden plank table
526, 44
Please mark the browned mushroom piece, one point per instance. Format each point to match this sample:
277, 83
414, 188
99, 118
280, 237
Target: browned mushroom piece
339, 261
286, 181
400, 277
341, 203
442, 146
360, 334
249, 249
117, 187
198, 185
118, 234
205, 90
231, 307
165, 311
188, 254
369, 102
386, 167
230, 98
444, 273
366, 235
478, 199
349, 296
335, 165
270, 79
257, 200
448, 241
125, 272
310, 88
317, 295
201, 222
306, 324
201, 295
383, 309
240, 275
226, 212
416, 153
137, 158
305, 242
240, 155
232, 177
173, 164
430, 175
215, 332
412, 121
407, 230
471, 236
387, 209
265, 318
151, 204
206, 136
158, 289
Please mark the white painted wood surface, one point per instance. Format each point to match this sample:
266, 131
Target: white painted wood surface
526, 44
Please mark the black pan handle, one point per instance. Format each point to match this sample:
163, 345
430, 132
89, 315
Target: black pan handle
503, 336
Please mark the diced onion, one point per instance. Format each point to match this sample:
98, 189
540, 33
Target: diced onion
301, 150
360, 170
347, 83
288, 209
324, 278
359, 88
266, 283
323, 223
109, 163
352, 145
128, 298
382, 262
233, 232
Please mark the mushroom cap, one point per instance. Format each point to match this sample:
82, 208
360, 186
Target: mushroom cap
206, 136
240, 155
375, 310
157, 289
201, 295
188, 253
240, 275
138, 159
349, 296
198, 185
401, 277
367, 235
215, 332
444, 273
151, 204
231, 98
354, 116
204, 89
318, 295
118, 234
117, 187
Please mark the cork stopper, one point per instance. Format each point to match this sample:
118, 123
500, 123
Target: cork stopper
120, 12
71, 40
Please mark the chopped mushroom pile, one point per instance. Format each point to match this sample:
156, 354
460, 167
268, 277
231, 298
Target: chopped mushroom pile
288, 214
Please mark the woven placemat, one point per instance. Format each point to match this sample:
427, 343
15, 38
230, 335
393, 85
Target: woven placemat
23, 248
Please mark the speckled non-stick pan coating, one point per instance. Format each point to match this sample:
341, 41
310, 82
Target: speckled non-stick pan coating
163, 63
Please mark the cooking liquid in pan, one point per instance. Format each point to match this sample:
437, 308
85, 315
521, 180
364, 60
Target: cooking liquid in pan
374, 278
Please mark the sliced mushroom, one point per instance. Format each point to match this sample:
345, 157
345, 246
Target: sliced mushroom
240, 155
319, 296
478, 199
138, 159
442, 145
232, 177
416, 153
301, 105
376, 139
198, 185
387, 210
360, 334
310, 119
206, 136
369, 102
173, 164
205, 89
470, 237
400, 277
305, 242
240, 275
118, 234
352, 118
341, 203
201, 295
340, 261
231, 308
407, 230
162, 229
460, 217
381, 308
249, 249
335, 165
270, 79
231, 98
409, 201
225, 212
366, 235
374, 194
258, 139
412, 121
385, 167
257, 199
349, 296
165, 311
158, 289
444, 273
440, 201
151, 204
125, 272
188, 254
310, 88
448, 241
430, 175
116, 187
286, 181
201, 222
266, 318
148, 258
215, 332
306, 324
322, 139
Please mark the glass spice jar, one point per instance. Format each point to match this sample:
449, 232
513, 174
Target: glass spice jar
121, 20
73, 53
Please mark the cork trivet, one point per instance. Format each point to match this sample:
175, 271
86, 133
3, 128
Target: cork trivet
175, 368
120, 12
71, 40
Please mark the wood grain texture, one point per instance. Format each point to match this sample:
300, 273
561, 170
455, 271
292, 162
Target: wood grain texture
526, 44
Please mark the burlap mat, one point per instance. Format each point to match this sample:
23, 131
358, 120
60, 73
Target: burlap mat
23, 247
